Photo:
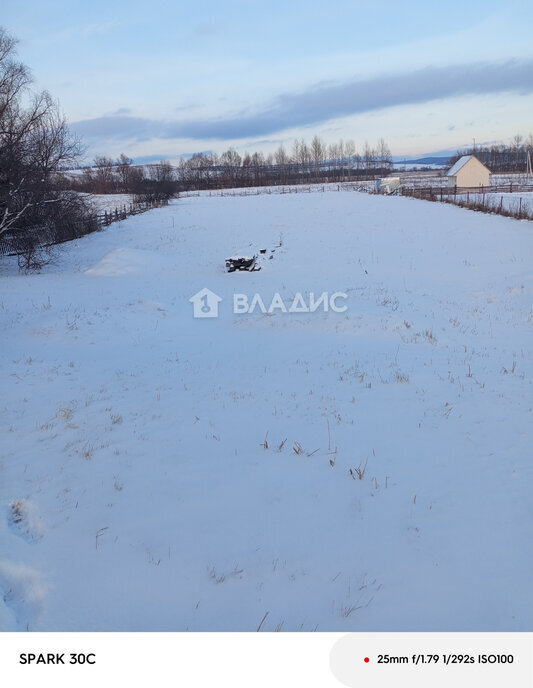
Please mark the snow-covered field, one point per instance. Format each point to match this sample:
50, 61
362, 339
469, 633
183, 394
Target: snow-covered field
367, 470
109, 202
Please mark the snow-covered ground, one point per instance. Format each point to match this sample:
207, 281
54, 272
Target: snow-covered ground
365, 470
109, 202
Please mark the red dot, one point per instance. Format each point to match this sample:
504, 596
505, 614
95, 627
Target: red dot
367, 660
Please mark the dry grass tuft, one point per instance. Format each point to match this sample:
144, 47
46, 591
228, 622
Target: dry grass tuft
359, 471
400, 377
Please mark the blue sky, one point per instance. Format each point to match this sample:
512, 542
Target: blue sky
169, 78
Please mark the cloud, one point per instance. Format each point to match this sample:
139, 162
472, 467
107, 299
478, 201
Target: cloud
117, 127
324, 102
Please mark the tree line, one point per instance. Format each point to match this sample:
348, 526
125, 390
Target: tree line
501, 158
147, 183
304, 163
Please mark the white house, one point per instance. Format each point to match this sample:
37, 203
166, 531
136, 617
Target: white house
468, 172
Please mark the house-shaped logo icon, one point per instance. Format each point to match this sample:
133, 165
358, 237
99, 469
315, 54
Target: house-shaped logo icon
205, 304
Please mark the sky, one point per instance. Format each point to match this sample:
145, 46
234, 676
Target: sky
161, 79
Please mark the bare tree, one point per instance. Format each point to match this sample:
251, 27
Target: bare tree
304, 160
318, 153
349, 152
158, 185
104, 175
34, 145
123, 170
369, 156
258, 166
282, 162
384, 156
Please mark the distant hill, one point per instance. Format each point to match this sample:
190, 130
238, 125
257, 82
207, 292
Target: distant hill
431, 160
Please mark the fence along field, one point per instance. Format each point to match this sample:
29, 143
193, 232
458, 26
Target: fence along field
484, 199
494, 198
17, 244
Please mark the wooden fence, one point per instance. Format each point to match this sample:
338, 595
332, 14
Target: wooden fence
13, 243
276, 190
441, 192
483, 199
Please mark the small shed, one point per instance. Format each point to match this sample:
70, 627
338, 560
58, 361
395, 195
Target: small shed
468, 172
388, 185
